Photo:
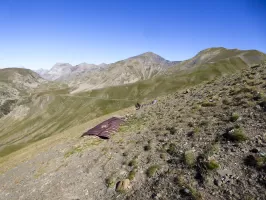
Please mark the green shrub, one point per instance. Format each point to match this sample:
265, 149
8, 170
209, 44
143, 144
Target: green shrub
234, 117
152, 170
133, 163
239, 135
189, 158
132, 174
208, 104
196, 130
256, 161
110, 182
171, 149
212, 149
162, 156
236, 135
194, 193
261, 161
212, 164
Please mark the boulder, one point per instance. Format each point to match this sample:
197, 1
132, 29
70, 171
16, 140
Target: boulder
123, 185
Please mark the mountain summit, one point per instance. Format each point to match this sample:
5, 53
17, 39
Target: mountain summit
130, 70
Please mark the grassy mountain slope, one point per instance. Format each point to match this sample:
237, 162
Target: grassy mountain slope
217, 54
150, 65
207, 142
141, 67
50, 112
14, 83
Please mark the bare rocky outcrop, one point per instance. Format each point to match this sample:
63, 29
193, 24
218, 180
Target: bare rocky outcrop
15, 84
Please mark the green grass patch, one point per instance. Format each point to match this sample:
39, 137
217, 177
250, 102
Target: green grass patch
257, 161
75, 150
236, 135
82, 147
189, 158
171, 149
132, 174
12, 148
110, 182
152, 170
133, 163
208, 104
194, 194
234, 117
212, 164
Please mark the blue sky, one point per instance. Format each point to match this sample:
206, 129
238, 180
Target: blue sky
39, 33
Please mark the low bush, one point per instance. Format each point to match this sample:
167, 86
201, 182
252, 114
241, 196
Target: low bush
152, 170
189, 158
212, 164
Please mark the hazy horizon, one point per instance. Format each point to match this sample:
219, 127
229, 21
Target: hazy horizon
38, 34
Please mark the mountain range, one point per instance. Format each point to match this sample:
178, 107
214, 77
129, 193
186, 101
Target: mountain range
65, 71
91, 90
85, 76
145, 65
42, 116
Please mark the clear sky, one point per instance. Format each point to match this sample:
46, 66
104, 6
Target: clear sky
39, 33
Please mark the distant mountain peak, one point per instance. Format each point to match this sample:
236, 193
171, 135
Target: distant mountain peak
150, 56
149, 53
83, 63
215, 49
59, 64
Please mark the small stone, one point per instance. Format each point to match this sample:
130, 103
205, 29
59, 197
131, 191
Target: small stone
243, 150
254, 150
229, 181
262, 154
217, 182
185, 192
236, 196
177, 196
156, 196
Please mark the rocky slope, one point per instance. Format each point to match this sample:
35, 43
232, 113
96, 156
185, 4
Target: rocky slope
141, 67
89, 76
66, 72
207, 142
15, 83
202, 142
